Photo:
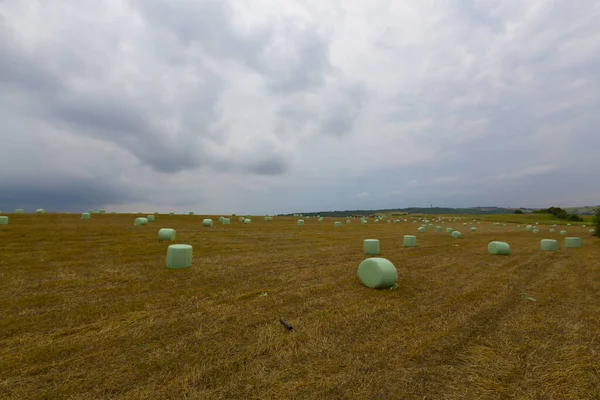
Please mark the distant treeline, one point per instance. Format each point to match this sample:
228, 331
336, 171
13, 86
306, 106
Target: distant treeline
411, 210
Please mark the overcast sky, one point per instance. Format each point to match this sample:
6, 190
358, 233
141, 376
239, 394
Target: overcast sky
272, 106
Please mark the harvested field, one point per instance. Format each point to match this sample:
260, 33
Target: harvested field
90, 311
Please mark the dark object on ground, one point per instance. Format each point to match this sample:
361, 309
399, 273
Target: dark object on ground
288, 326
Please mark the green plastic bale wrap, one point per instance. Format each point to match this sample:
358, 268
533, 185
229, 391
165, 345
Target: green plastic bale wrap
179, 256
438, 228
421, 229
430, 226
171, 214
207, 222
90, 210
40, 211
3, 220
337, 224
191, 213
150, 218
409, 241
364, 222
226, 221
535, 230
568, 224
528, 227
166, 234
573, 243
85, 216
584, 226
241, 219
376, 221
101, 211
19, 211
518, 226
222, 218
499, 248
320, 219
371, 246
552, 230
377, 273
473, 229
139, 221
233, 214
592, 230
564, 233
348, 221
456, 235
449, 230
300, 222
247, 221
548, 245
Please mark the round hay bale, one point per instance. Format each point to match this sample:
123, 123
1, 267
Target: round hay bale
337, 224
456, 235
584, 226
377, 273
222, 218
171, 214
409, 241
166, 234
564, 233
150, 218
552, 230
85, 216
139, 221
3, 220
421, 229
348, 221
535, 230
40, 211
363, 221
191, 213
371, 246
499, 248
438, 228
548, 245
573, 243
226, 221
528, 227
473, 229
242, 219
179, 256
101, 211
207, 222
449, 230
300, 222
592, 230
247, 221
19, 211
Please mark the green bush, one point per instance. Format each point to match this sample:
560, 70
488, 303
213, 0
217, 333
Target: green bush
518, 212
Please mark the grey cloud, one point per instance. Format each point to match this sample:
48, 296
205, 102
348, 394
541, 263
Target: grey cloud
343, 111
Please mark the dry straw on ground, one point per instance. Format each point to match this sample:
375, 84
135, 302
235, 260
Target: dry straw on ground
90, 311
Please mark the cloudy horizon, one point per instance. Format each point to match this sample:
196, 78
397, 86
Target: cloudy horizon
265, 106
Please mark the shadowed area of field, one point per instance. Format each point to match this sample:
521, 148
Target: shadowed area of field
89, 311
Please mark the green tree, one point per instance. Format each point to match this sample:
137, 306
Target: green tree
518, 212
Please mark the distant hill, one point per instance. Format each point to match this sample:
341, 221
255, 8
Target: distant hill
410, 210
586, 210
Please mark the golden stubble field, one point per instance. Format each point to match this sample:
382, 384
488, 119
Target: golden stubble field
90, 311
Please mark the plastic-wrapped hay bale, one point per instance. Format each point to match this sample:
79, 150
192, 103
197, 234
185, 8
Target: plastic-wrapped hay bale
233, 214
473, 229
171, 214
222, 218
535, 230
456, 235
376, 221
139, 221
430, 226
438, 228
320, 219
564, 233
40, 211
371, 246
191, 213
226, 221
90, 210
409, 241
364, 222
247, 221
499, 248
166, 234
101, 211
85, 215
347, 221
518, 226
528, 227
568, 224
300, 222
3, 220
377, 273
552, 230
150, 218
421, 229
592, 230
573, 243
19, 211
548, 245
337, 224
584, 226
179, 256
241, 219
449, 230
207, 222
